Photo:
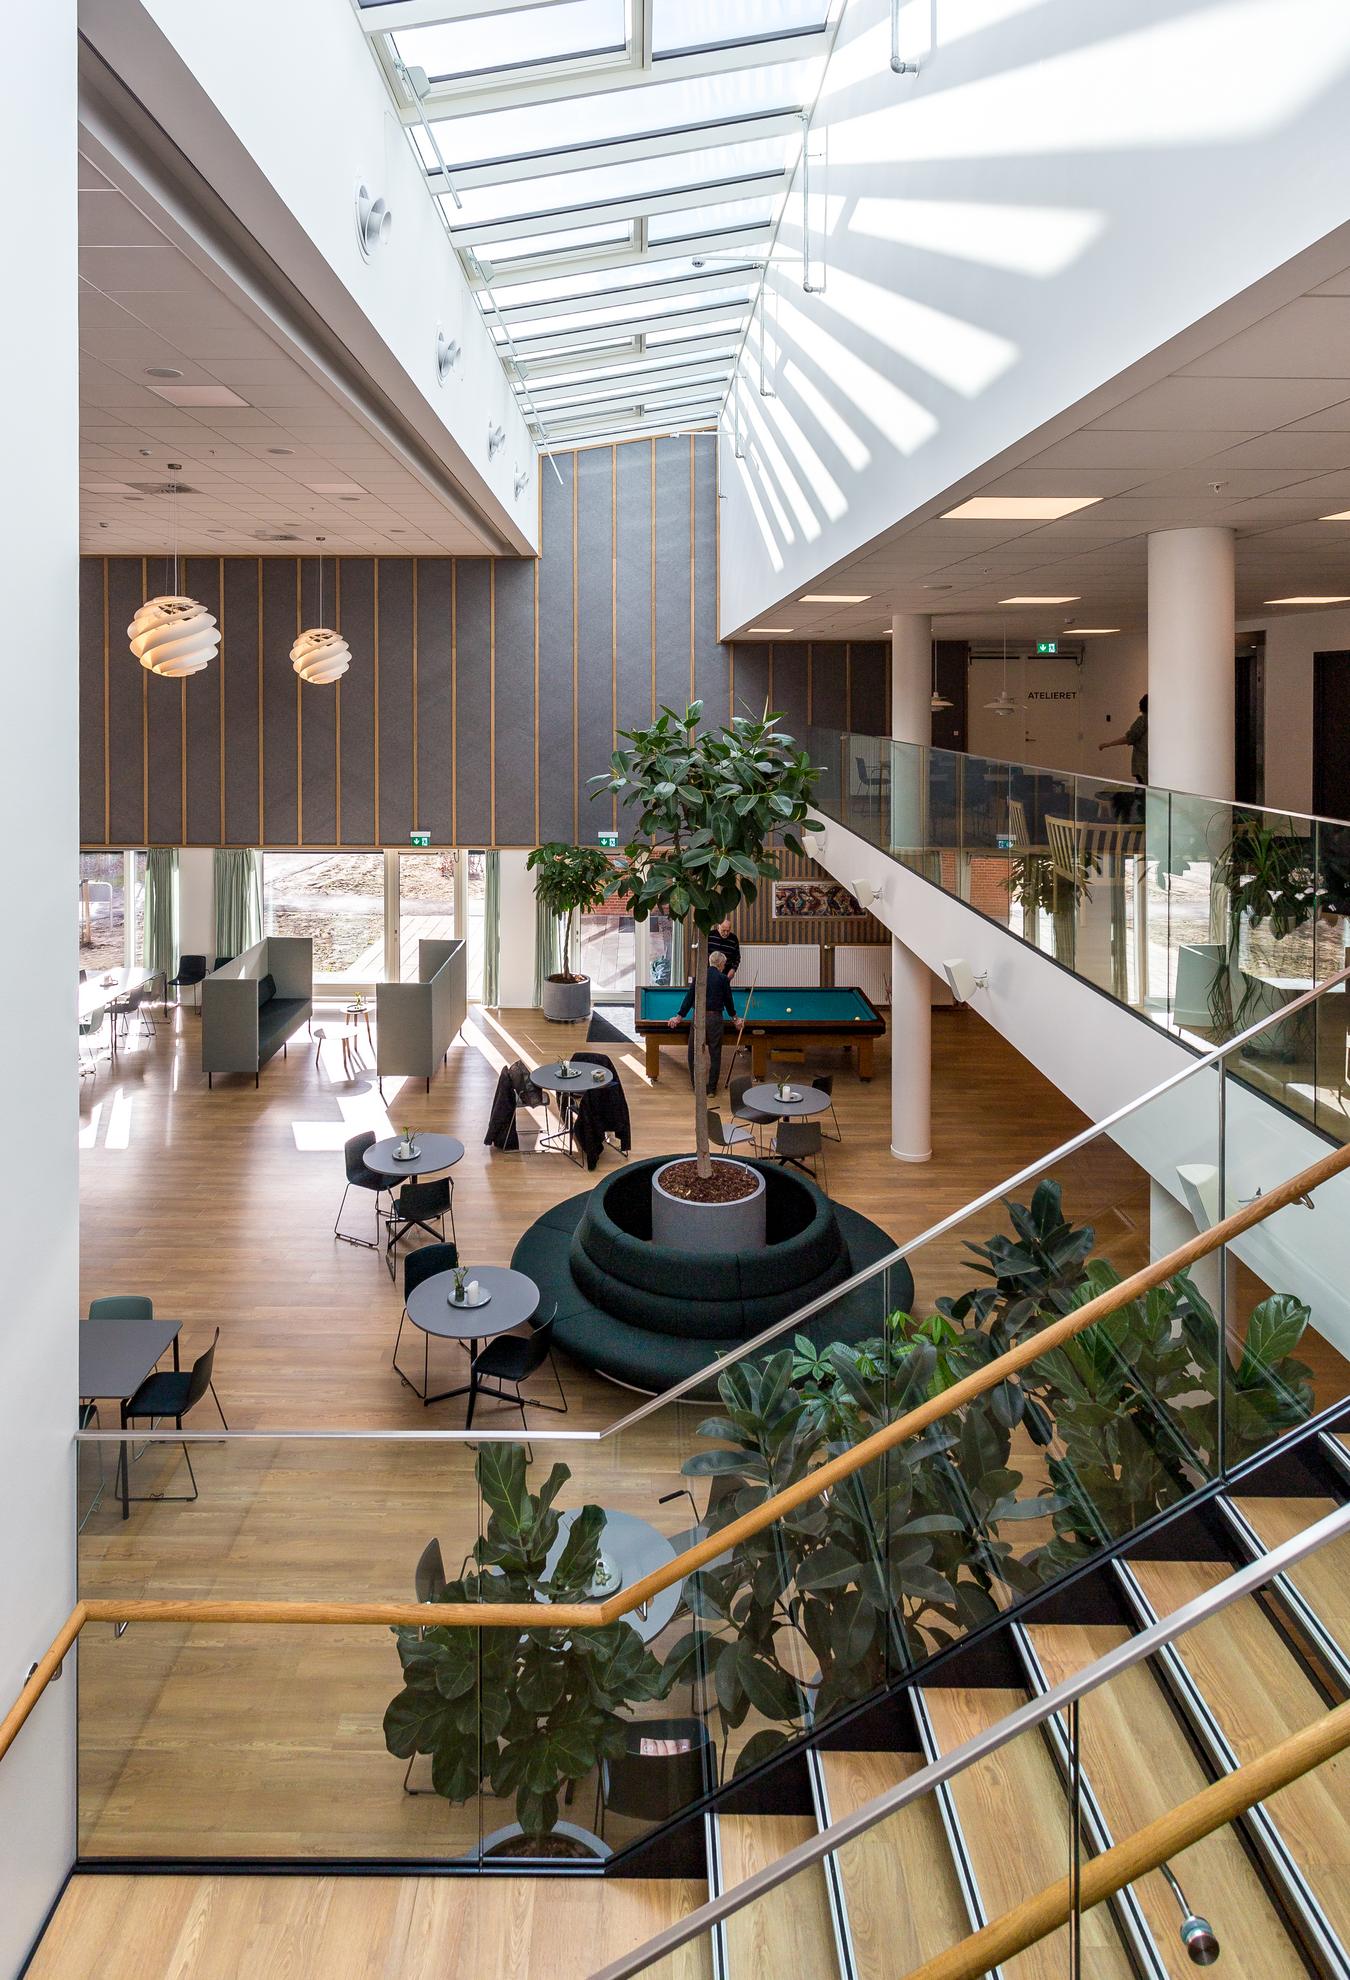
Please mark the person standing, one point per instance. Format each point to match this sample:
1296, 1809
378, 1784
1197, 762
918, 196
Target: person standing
725, 938
721, 1006
1126, 805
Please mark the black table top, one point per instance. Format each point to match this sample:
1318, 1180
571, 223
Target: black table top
434, 1152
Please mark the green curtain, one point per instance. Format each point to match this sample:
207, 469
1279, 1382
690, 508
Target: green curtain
547, 947
159, 942
238, 893
492, 926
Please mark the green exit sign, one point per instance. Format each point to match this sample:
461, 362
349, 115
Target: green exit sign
419, 838
1047, 646
609, 839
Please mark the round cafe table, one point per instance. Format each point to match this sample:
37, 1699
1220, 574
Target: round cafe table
568, 1089
513, 1298
802, 1101
636, 1548
434, 1153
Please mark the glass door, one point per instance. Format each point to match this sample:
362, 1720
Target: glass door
608, 949
338, 900
427, 902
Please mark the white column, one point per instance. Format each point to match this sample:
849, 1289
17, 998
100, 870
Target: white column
911, 1055
911, 677
39, 826
1190, 661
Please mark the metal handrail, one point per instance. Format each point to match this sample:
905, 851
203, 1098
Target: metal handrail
778, 1328
1035, 1712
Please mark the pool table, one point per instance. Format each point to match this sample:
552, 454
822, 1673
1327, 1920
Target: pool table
795, 1019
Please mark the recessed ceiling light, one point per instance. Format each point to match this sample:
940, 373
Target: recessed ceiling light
281, 450
190, 396
1085, 632
771, 629
935, 587
1017, 508
834, 598
161, 371
1308, 601
1072, 599
338, 488
1341, 515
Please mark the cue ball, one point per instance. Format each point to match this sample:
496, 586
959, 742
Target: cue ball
789, 1009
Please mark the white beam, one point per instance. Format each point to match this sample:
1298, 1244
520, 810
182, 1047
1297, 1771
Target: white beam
586, 155
660, 420
676, 288
646, 385
400, 14
594, 213
539, 343
719, 241
543, 373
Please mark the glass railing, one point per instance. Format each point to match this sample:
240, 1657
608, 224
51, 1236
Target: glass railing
240, 1740
1201, 916
1061, 1820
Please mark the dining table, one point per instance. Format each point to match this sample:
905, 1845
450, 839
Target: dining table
506, 1300
115, 1357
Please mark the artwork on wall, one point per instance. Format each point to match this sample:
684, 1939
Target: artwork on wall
812, 900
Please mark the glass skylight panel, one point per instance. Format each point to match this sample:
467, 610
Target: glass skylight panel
568, 31
732, 323
682, 24
712, 219
559, 191
568, 240
604, 282
613, 373
631, 310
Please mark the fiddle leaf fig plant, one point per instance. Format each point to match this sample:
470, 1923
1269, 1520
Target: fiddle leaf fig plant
528, 1712
570, 880
710, 803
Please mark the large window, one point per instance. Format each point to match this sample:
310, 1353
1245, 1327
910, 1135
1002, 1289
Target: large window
337, 899
112, 909
609, 951
427, 886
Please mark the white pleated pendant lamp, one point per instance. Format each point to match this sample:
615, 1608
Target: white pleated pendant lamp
171, 635
320, 654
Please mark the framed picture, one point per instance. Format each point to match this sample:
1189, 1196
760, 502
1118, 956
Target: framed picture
812, 900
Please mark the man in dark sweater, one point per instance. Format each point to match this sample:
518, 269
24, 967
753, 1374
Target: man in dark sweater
725, 938
721, 1005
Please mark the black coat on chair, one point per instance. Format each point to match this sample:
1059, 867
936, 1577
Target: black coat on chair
515, 1089
602, 1112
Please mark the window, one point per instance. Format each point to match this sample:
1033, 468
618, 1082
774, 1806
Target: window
608, 951
427, 883
337, 899
103, 924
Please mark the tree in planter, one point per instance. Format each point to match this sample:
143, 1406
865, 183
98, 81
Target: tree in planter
570, 880
709, 803
1267, 876
533, 1711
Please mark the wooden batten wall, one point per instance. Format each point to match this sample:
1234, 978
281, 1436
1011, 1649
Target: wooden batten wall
482, 695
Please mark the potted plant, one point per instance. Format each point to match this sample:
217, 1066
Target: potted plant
709, 803
1272, 886
525, 1713
569, 880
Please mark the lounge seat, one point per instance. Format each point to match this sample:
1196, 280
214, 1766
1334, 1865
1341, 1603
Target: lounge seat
278, 1017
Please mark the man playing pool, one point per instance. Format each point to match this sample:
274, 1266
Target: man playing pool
725, 938
720, 1006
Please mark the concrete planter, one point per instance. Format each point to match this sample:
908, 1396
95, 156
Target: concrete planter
705, 1227
567, 1003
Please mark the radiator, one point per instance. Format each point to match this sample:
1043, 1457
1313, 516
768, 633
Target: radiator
866, 967
779, 965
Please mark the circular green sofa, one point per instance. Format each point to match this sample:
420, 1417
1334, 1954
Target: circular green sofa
648, 1316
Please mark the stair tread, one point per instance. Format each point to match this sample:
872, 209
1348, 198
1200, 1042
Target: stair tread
790, 1930
900, 1885
1324, 1578
1258, 1693
1139, 1764
1015, 1819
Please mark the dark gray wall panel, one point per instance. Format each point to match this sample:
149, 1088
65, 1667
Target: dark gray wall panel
356, 708
435, 707
596, 469
633, 586
672, 574
556, 655
787, 684
281, 693
203, 718
513, 695
318, 718
868, 674
750, 676
128, 683
829, 685
92, 822
473, 702
164, 707
712, 661
395, 621
239, 671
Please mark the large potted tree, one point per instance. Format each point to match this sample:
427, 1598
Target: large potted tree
568, 881
709, 803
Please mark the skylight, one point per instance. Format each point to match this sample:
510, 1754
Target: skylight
612, 173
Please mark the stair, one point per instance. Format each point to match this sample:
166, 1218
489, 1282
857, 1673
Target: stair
901, 1893
791, 1931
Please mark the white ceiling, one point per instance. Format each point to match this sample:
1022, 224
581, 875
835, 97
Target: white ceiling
252, 467
1264, 414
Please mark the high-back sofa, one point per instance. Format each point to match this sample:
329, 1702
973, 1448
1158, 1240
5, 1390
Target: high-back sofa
417, 1022
253, 1004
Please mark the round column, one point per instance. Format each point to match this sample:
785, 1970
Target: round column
911, 677
911, 1055
1191, 641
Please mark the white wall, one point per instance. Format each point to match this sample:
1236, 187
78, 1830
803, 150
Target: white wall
1062, 189
1292, 638
38, 960
197, 902
516, 957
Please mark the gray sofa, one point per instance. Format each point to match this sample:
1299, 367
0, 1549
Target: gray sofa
252, 1005
417, 1022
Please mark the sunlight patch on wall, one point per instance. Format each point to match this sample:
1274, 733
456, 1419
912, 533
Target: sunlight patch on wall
900, 419
1025, 240
745, 471
827, 417
956, 353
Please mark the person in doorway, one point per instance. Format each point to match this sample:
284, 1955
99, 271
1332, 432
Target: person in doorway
721, 1006
1128, 806
726, 939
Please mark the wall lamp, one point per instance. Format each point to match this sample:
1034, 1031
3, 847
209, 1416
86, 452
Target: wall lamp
448, 351
374, 221
522, 481
496, 440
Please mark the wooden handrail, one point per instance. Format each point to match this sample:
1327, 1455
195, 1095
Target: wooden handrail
589, 1615
1148, 1848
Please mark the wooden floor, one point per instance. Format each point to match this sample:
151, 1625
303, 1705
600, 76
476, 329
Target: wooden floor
360, 1928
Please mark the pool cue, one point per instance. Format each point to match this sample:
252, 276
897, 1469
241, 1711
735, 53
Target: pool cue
745, 1019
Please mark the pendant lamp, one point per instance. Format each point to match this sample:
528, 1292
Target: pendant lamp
319, 654
1004, 703
172, 635
938, 701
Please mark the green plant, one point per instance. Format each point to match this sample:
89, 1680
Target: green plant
534, 1711
570, 880
1268, 876
709, 803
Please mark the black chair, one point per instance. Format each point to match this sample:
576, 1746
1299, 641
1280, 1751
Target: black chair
360, 1177
421, 1264
798, 1142
192, 972
824, 1083
122, 1306
514, 1358
752, 1116
221, 961
169, 1392
418, 1205
654, 1787
137, 1003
